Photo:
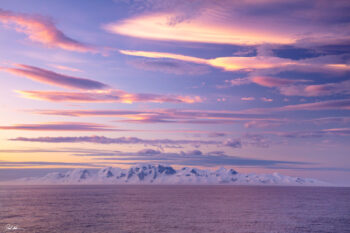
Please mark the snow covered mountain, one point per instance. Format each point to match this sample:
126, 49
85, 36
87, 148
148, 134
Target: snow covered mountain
161, 174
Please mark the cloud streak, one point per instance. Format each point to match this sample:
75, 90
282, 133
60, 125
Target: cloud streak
167, 143
43, 30
170, 66
53, 78
163, 115
341, 104
60, 126
43, 163
107, 96
120, 140
316, 133
194, 158
225, 63
91, 91
326, 89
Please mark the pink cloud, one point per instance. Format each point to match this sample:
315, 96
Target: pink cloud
93, 93
248, 98
43, 30
316, 90
343, 104
271, 81
245, 22
61, 67
225, 63
60, 126
264, 123
162, 116
266, 99
106, 96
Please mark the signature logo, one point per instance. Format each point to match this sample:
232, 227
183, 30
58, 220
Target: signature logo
10, 227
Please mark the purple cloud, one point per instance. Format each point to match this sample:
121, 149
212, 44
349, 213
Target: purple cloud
234, 143
169, 66
53, 78
106, 140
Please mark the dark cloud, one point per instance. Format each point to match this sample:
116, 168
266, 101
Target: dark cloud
234, 143
148, 152
217, 134
295, 53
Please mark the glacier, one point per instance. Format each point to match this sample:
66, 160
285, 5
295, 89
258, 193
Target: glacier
165, 175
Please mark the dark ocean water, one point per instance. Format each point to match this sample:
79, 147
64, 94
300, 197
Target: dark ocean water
205, 209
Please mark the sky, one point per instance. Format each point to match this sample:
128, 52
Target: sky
257, 85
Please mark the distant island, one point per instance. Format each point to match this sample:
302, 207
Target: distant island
166, 175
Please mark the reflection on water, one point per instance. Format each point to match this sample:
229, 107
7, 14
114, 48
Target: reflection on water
174, 209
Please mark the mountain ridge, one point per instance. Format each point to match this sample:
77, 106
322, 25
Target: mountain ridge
167, 175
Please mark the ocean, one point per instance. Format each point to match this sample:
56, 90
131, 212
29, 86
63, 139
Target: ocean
180, 209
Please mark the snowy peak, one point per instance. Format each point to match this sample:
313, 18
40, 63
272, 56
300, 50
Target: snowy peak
162, 174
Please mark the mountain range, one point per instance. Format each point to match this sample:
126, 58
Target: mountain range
167, 175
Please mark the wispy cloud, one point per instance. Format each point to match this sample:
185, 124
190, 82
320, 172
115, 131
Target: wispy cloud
265, 99
35, 164
120, 140
43, 30
326, 89
315, 133
195, 158
225, 63
91, 91
161, 143
292, 87
163, 115
341, 104
248, 98
160, 27
66, 68
273, 81
234, 143
169, 66
60, 126
243, 22
107, 96
53, 78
